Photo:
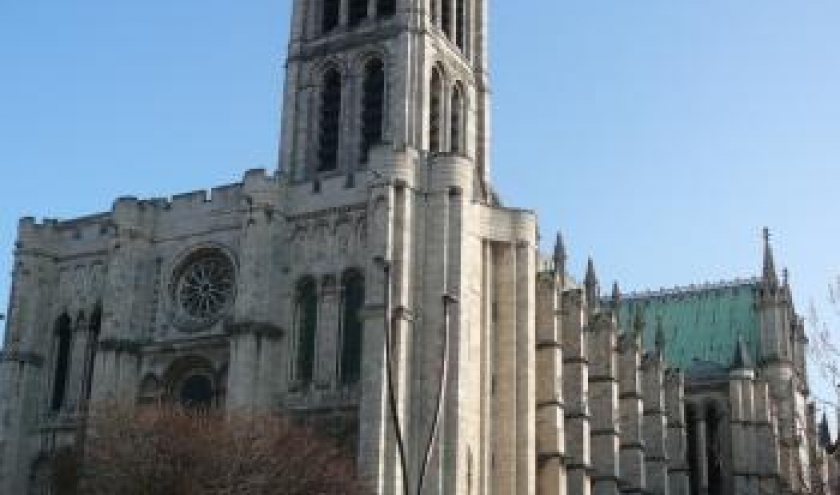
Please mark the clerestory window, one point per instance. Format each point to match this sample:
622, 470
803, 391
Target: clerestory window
446, 17
460, 24
457, 120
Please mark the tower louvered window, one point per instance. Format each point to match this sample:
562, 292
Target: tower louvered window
330, 122
435, 101
358, 11
330, 14
386, 8
307, 322
446, 17
64, 338
373, 105
353, 299
457, 121
460, 23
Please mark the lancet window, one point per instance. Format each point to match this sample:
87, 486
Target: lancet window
373, 106
352, 302
63, 341
330, 121
307, 322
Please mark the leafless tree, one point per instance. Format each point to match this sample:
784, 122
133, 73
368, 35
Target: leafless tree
176, 451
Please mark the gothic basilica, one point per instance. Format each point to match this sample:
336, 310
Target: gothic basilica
275, 293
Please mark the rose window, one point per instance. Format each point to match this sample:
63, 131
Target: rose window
205, 287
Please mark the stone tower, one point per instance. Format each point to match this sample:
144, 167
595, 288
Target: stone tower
410, 73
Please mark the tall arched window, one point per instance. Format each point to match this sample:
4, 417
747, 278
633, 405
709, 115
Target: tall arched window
330, 14
456, 124
330, 122
307, 321
94, 328
353, 300
386, 8
357, 12
460, 23
373, 106
446, 17
435, 103
64, 339
434, 9
714, 454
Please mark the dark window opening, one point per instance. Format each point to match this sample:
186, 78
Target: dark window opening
373, 105
197, 392
353, 290
693, 465
64, 337
713, 452
457, 120
435, 100
386, 8
460, 23
94, 328
446, 18
330, 122
330, 15
435, 12
307, 321
358, 12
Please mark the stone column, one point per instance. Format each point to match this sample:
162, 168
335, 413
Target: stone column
576, 393
550, 412
328, 346
374, 428
604, 402
745, 462
767, 445
655, 425
632, 458
701, 453
505, 433
677, 441
526, 447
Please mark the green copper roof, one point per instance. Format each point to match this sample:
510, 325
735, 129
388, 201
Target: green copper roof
701, 323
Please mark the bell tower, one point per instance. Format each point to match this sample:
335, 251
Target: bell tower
403, 73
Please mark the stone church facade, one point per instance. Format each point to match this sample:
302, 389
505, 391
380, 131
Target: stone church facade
273, 294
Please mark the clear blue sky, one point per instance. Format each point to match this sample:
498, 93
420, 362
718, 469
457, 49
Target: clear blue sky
661, 136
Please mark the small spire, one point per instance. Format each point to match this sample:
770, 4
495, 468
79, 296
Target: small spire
559, 255
593, 290
616, 296
769, 276
824, 433
742, 360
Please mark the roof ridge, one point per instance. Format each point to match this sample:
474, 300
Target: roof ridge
692, 289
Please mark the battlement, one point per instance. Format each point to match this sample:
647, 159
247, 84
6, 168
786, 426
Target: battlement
130, 210
88, 228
